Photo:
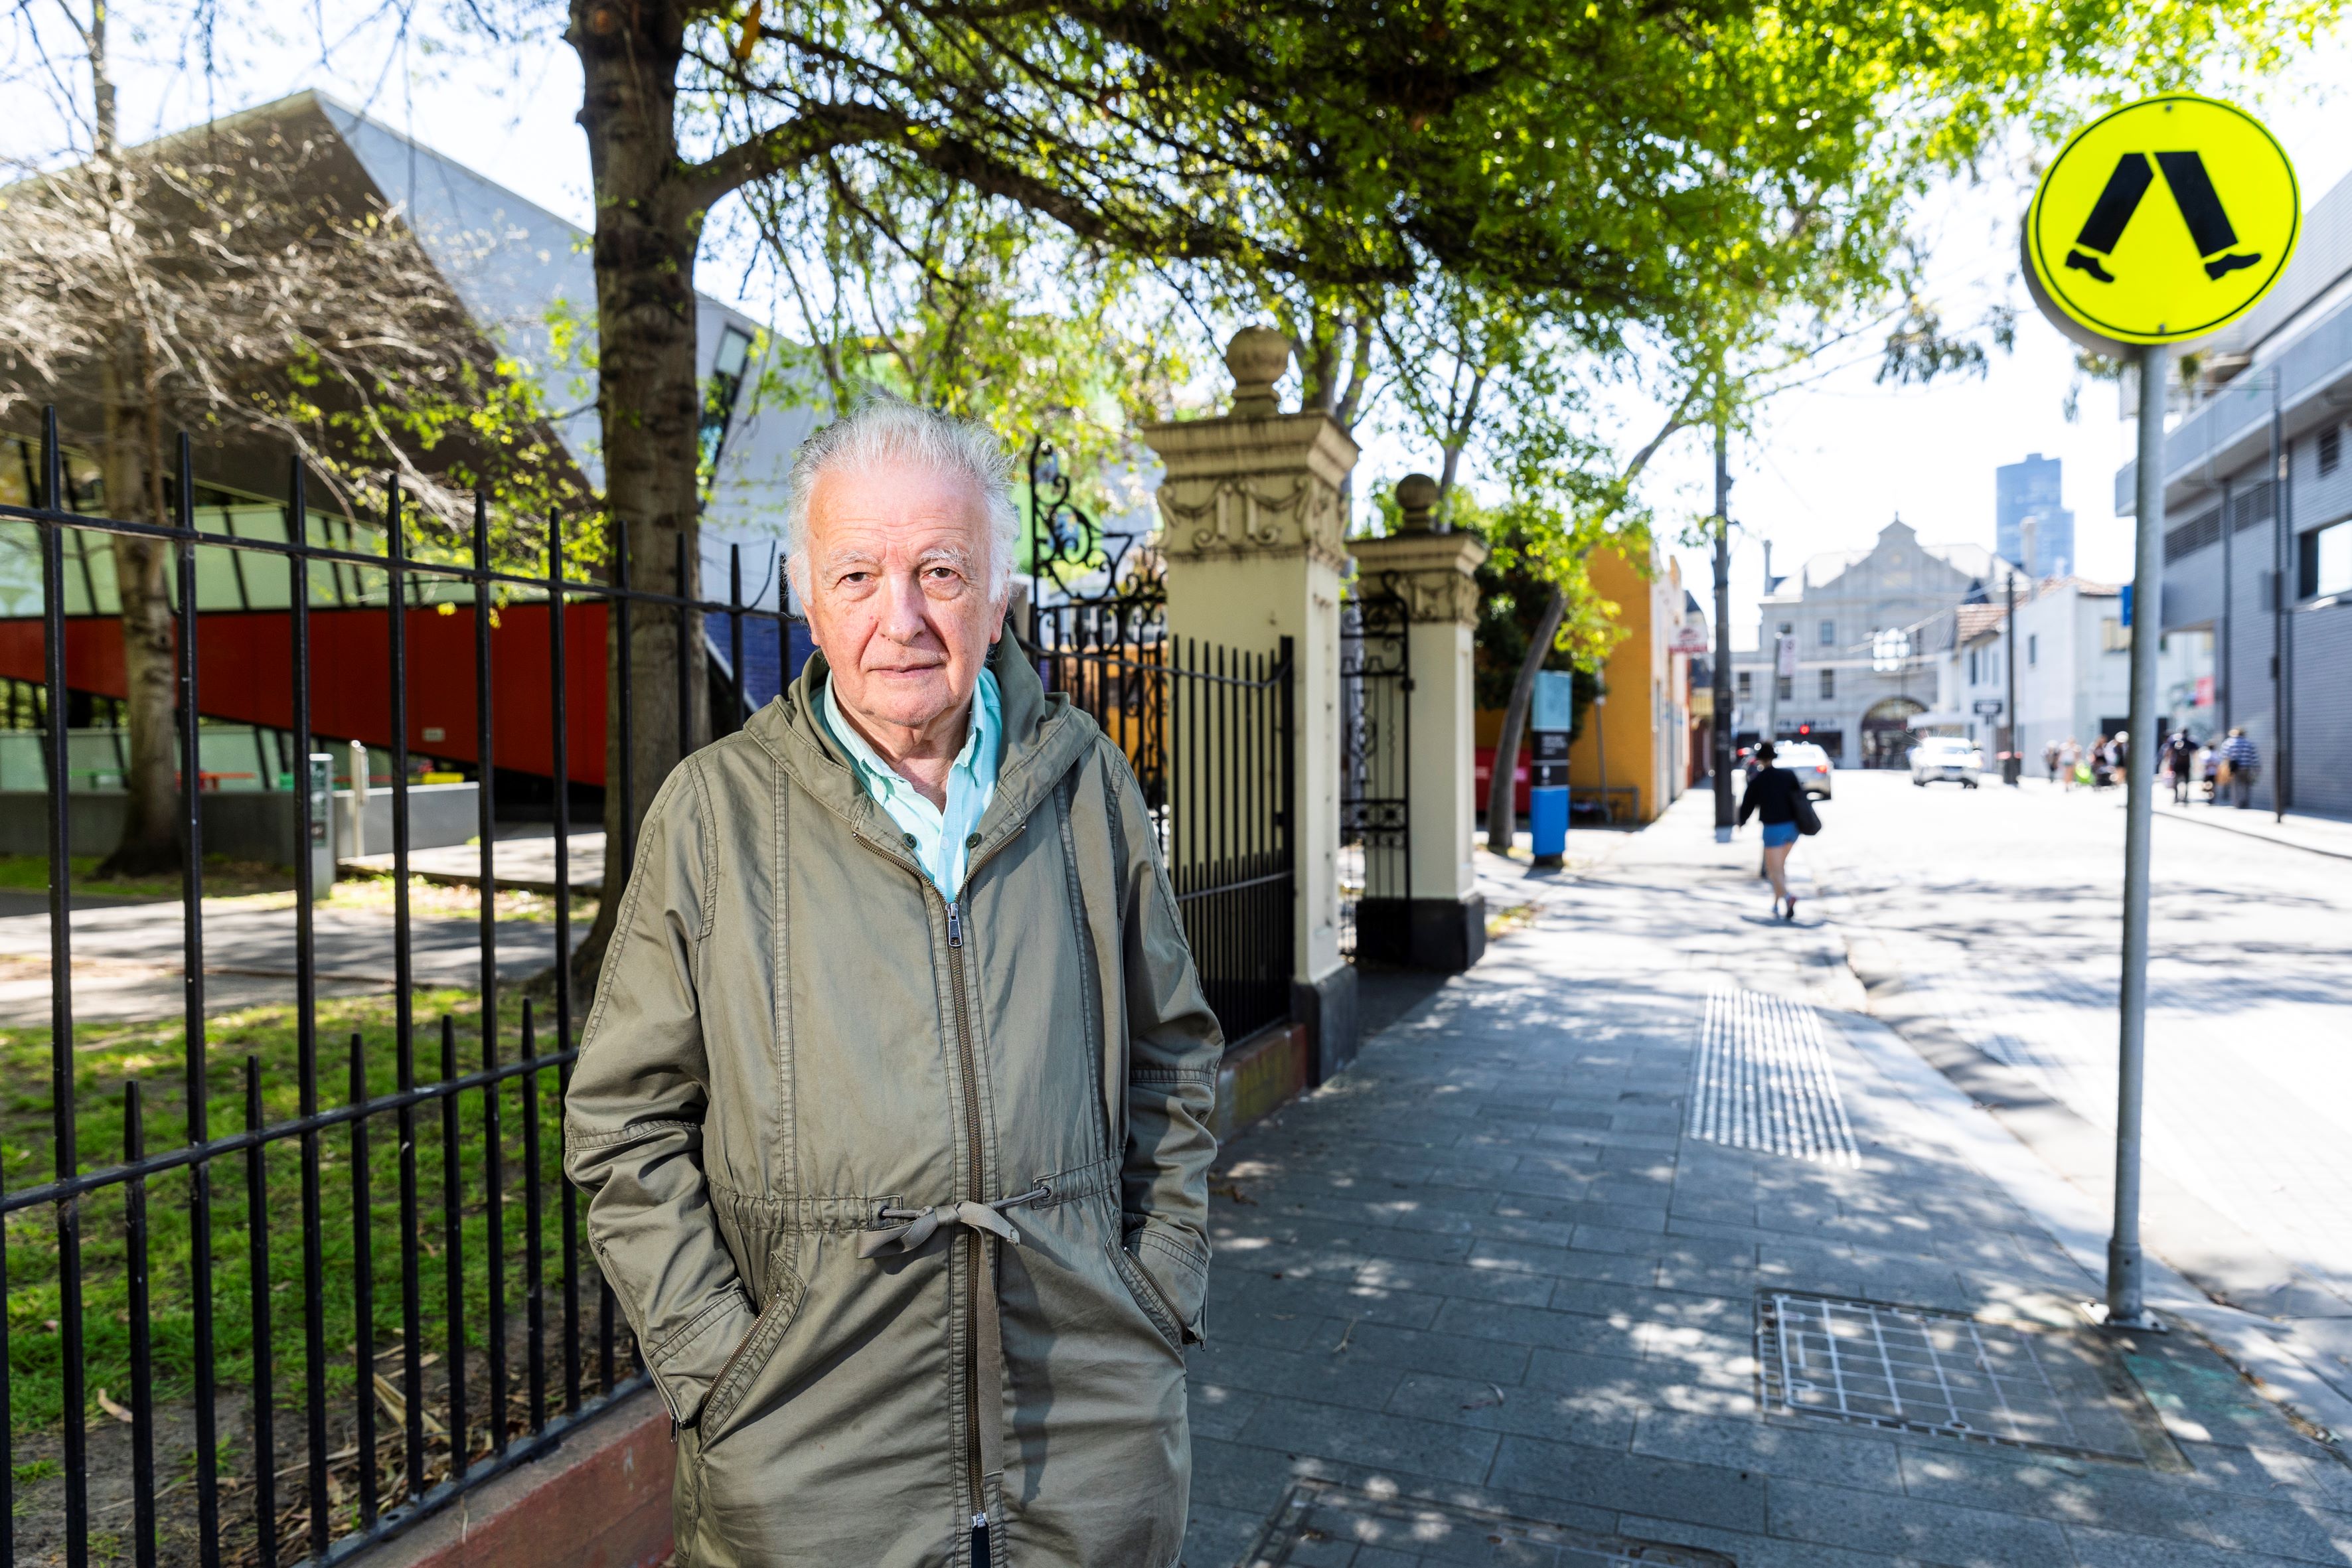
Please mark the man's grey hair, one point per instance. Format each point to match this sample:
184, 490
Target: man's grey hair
886, 429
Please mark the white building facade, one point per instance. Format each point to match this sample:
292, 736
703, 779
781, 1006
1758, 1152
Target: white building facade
2073, 655
1857, 685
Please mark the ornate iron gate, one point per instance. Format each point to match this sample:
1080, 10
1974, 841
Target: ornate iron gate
1375, 761
1207, 729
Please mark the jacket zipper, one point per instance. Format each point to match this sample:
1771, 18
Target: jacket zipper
970, 1076
974, 1283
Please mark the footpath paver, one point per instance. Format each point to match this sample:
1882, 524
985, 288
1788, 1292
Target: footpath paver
1486, 1299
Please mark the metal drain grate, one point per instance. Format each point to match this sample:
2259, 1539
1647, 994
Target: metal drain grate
1910, 1369
1332, 1526
1765, 1082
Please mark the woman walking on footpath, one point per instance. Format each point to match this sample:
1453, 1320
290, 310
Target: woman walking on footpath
1776, 798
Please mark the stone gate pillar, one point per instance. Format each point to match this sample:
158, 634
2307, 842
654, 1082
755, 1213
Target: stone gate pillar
1252, 535
1443, 926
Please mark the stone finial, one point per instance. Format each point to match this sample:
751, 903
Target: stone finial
1257, 356
1416, 496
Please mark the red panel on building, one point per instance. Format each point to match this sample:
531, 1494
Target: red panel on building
246, 658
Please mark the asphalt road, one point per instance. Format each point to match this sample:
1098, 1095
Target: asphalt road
2003, 911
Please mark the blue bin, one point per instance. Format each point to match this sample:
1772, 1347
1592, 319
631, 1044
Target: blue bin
1547, 817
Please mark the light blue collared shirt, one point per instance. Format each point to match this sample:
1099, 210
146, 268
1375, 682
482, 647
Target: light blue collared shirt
939, 836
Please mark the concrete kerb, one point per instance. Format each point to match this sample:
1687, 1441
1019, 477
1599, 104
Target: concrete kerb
2269, 834
2293, 1376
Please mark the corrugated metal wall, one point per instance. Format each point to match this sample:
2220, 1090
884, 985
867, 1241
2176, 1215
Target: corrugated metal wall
2321, 664
2250, 703
2323, 711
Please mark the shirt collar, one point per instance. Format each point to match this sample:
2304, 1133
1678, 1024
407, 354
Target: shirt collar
883, 781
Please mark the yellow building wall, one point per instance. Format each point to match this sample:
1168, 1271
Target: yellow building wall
1645, 680
1645, 684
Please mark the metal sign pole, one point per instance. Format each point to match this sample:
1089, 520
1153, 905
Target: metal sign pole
2234, 189
2126, 1308
1720, 737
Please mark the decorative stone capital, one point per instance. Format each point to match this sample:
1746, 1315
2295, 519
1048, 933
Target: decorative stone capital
1264, 486
1434, 573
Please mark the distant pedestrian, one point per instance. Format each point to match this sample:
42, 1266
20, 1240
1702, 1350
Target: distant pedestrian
2180, 761
2240, 755
2049, 760
2070, 762
2098, 760
1776, 798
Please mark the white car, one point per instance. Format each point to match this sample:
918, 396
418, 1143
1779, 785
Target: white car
1809, 763
1946, 757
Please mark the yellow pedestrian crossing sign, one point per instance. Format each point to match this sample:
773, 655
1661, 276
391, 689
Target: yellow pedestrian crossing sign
2162, 221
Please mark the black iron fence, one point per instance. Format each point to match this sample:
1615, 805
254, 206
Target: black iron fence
292, 1336
1208, 730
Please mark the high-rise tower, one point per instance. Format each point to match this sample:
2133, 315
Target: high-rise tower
2030, 488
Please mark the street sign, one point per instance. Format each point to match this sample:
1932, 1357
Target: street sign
1555, 702
2162, 221
1784, 659
1988, 707
1689, 637
2158, 222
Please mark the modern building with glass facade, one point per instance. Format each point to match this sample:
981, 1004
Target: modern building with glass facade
2032, 530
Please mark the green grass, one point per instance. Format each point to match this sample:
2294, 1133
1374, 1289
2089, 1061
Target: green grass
106, 1056
224, 878
227, 879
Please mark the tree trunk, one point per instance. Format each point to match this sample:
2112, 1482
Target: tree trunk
142, 576
143, 567
649, 402
1499, 803
1501, 814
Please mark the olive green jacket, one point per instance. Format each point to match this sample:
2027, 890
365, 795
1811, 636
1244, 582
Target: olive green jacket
807, 1090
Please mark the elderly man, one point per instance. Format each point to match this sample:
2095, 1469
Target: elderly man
892, 1106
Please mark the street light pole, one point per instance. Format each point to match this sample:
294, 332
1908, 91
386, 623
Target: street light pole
1721, 738
2013, 766
2125, 1306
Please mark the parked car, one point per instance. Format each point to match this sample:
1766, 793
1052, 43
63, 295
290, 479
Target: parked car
1946, 757
1809, 763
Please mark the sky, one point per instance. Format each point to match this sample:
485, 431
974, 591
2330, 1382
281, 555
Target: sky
1827, 467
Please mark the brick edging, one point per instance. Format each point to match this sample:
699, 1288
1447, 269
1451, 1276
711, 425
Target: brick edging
600, 1500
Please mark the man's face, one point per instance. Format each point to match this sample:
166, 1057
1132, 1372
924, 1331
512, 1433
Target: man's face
896, 590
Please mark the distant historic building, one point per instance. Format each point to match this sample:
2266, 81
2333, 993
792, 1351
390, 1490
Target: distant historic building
1857, 684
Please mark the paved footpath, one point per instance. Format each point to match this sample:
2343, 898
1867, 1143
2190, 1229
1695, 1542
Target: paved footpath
1489, 1298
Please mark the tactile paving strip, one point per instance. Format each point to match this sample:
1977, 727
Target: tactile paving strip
1912, 1369
1331, 1526
1764, 1080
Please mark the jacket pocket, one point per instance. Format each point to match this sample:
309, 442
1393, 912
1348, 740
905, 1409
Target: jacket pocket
1177, 1262
736, 1377
1149, 1298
